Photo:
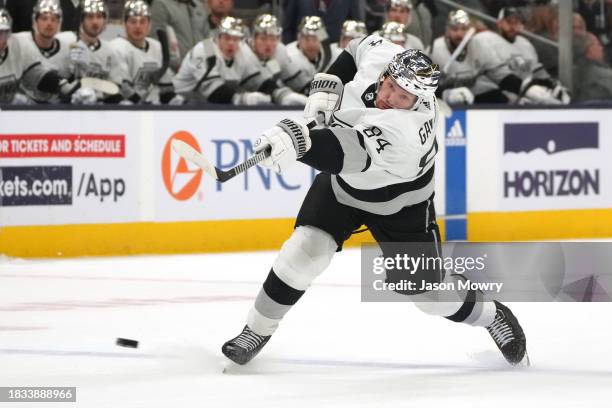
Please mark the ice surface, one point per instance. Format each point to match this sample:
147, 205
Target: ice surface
59, 321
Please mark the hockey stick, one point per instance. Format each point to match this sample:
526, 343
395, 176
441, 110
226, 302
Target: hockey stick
445, 108
197, 158
466, 38
107, 87
162, 36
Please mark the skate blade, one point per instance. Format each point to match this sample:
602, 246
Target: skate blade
232, 368
524, 362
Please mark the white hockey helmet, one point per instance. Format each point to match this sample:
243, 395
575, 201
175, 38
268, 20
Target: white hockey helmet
458, 18
266, 24
232, 26
407, 4
94, 7
313, 25
414, 72
6, 22
136, 8
47, 6
394, 31
354, 29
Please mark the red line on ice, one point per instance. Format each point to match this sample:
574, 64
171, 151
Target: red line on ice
117, 302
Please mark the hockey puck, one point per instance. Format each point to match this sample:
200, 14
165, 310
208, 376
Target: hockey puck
127, 343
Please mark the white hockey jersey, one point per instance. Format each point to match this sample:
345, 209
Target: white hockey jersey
56, 58
198, 76
18, 68
413, 42
282, 68
388, 153
326, 58
100, 61
335, 49
139, 67
242, 72
482, 66
522, 57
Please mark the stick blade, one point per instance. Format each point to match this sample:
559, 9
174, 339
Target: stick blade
101, 85
189, 153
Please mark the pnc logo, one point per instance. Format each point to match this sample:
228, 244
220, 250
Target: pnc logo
181, 178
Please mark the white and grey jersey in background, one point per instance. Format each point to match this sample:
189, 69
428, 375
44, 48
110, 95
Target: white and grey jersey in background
204, 70
388, 154
100, 61
56, 58
481, 67
198, 76
326, 58
18, 69
414, 42
139, 67
282, 68
242, 72
522, 57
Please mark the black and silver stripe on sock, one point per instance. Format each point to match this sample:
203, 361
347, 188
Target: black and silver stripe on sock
471, 308
276, 297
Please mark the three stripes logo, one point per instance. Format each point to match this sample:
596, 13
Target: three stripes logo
455, 135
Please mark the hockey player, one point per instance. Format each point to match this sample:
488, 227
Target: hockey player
312, 52
400, 11
523, 58
206, 73
42, 41
521, 54
92, 56
480, 73
20, 68
417, 21
233, 68
141, 58
377, 169
41, 45
397, 34
274, 62
351, 29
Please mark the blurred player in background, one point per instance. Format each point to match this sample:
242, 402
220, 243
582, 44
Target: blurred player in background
398, 34
237, 64
521, 54
141, 58
21, 69
351, 29
417, 21
312, 52
219, 71
480, 72
41, 44
400, 11
274, 61
91, 56
377, 169
217, 11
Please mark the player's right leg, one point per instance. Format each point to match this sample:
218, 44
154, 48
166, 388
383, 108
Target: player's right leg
413, 231
321, 227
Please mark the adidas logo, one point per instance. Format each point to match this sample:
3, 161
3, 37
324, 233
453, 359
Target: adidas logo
455, 135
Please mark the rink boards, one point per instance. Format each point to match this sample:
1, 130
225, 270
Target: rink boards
106, 182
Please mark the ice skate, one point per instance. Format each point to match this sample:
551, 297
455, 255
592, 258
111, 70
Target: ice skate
242, 348
509, 336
